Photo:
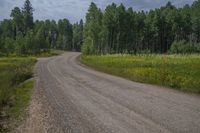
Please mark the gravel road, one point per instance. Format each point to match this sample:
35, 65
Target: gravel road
71, 98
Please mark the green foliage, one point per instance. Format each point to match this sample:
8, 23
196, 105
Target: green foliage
179, 72
40, 39
92, 29
18, 17
183, 47
121, 30
77, 35
19, 45
22, 36
116, 30
66, 32
13, 71
9, 45
88, 47
25, 45
16, 112
23, 95
28, 15
59, 42
6, 29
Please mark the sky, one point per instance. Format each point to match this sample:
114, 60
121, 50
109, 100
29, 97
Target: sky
74, 10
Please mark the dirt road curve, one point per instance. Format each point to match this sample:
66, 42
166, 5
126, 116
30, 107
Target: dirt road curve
70, 98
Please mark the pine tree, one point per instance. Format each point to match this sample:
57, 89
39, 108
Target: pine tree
27, 11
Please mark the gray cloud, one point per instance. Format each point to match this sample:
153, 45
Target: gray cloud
74, 10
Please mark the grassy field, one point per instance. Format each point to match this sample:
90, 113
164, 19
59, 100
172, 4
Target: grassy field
175, 71
14, 94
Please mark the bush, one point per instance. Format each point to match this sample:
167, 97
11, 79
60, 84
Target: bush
183, 47
13, 71
14, 92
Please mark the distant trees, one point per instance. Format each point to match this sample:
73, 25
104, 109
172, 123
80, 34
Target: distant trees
66, 33
114, 30
27, 11
17, 16
121, 30
77, 36
183, 47
22, 36
92, 29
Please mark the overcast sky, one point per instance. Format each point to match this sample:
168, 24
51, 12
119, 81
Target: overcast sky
74, 10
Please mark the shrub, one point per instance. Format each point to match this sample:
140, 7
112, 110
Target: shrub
183, 47
14, 92
12, 72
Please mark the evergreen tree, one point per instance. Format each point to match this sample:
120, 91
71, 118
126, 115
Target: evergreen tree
17, 16
116, 30
27, 11
41, 40
93, 27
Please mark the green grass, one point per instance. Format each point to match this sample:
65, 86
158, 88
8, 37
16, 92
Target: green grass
16, 112
174, 71
50, 53
14, 91
13, 95
22, 99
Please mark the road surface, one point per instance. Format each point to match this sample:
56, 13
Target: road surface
75, 99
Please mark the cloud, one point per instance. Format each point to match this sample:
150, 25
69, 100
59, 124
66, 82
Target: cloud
74, 10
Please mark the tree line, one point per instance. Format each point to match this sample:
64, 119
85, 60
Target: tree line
117, 29
122, 30
22, 35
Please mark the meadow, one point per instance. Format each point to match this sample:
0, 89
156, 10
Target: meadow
14, 92
181, 72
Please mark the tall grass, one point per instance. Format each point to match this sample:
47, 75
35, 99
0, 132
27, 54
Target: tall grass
175, 71
13, 71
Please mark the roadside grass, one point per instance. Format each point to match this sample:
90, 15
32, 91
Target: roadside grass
14, 91
23, 93
50, 53
181, 72
17, 111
